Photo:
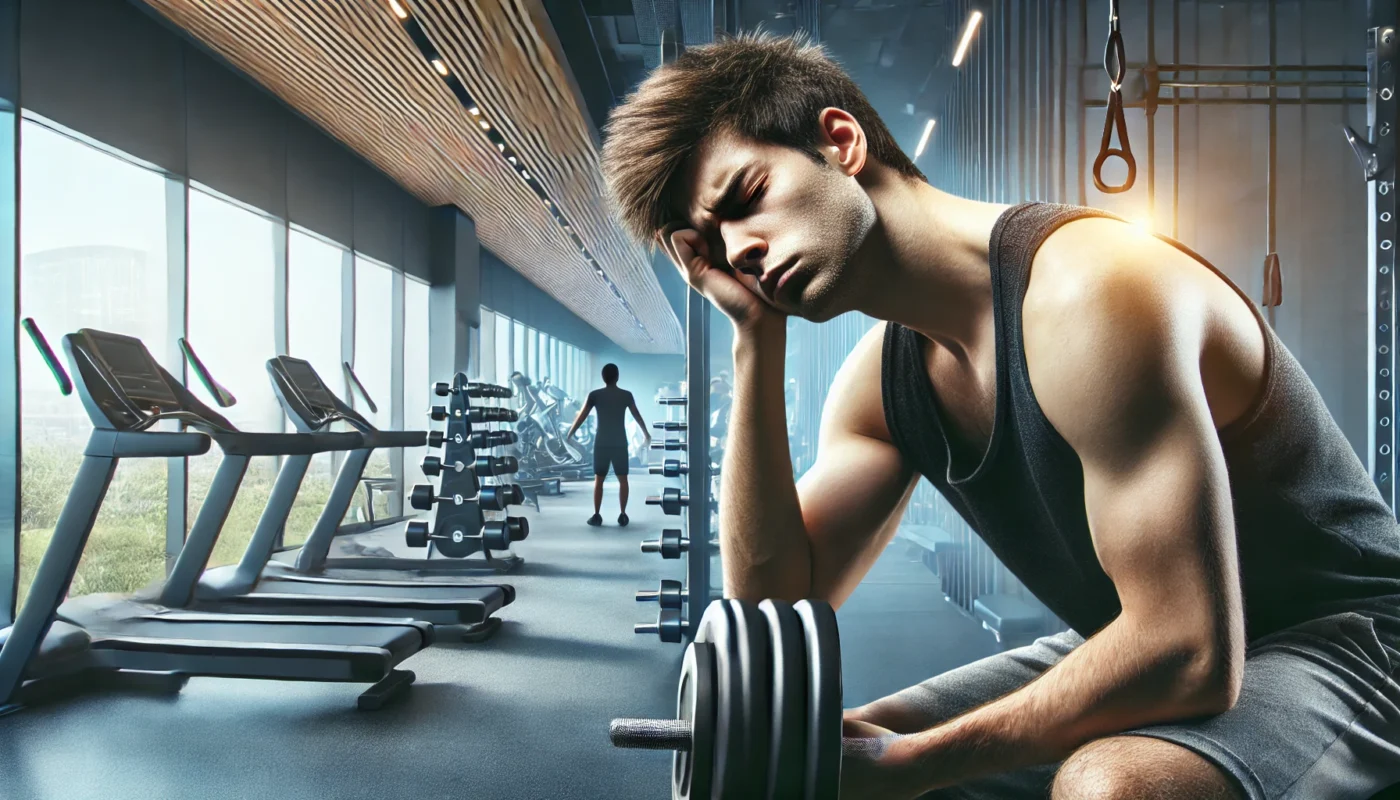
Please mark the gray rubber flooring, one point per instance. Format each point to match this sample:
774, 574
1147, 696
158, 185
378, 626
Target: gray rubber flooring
524, 715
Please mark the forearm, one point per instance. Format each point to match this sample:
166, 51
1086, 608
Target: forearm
765, 549
1120, 679
578, 420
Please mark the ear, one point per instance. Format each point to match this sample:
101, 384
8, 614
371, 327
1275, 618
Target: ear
843, 140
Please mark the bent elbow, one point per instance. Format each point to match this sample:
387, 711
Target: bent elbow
1210, 680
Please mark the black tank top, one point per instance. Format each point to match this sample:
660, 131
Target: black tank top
1314, 535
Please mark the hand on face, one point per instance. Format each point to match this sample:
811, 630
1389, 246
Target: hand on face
733, 293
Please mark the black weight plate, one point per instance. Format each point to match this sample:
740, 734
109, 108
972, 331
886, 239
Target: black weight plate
754, 649
823, 768
788, 748
692, 771
717, 628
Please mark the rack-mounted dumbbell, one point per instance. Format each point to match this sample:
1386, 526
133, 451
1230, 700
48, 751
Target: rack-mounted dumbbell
671, 501
671, 468
672, 401
481, 414
474, 389
438, 413
669, 626
670, 544
488, 466
669, 444
669, 595
457, 543
432, 466
491, 498
670, 426
485, 440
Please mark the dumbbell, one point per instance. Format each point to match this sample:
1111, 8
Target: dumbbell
490, 414
669, 444
671, 501
670, 595
671, 401
432, 466
488, 390
759, 705
671, 468
437, 413
670, 545
670, 426
496, 498
485, 440
494, 535
487, 466
435, 438
669, 626
423, 499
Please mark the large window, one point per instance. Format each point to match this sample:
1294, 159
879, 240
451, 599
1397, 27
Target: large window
374, 356
232, 272
486, 336
504, 364
417, 378
93, 254
316, 272
519, 363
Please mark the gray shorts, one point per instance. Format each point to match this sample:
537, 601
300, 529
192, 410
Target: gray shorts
1318, 716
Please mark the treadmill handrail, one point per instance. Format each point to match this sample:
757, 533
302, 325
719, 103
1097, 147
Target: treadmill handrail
65, 384
222, 396
286, 444
146, 444
355, 382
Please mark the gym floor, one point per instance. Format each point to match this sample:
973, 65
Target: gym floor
524, 715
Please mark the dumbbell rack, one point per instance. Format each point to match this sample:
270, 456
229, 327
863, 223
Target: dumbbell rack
459, 527
671, 596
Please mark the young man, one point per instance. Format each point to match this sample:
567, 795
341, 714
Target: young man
610, 439
1111, 414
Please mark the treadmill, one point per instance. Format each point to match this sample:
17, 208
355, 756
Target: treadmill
313, 407
259, 585
57, 647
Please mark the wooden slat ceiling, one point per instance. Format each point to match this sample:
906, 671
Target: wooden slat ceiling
352, 67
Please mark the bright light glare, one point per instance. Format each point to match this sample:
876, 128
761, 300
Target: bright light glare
1143, 224
399, 11
440, 66
971, 30
923, 140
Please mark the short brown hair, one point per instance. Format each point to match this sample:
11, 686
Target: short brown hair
766, 88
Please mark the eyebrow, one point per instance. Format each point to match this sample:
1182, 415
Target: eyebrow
732, 187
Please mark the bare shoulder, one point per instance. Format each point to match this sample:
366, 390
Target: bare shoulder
855, 403
1113, 315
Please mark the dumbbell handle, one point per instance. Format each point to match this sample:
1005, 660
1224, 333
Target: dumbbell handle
651, 734
652, 627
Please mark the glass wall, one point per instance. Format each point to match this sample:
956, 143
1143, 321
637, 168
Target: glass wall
104, 245
417, 380
374, 356
232, 270
504, 350
316, 272
93, 254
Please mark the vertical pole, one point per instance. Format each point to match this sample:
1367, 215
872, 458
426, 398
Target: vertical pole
1083, 109
1176, 124
1271, 176
177, 194
1151, 107
1382, 119
9, 298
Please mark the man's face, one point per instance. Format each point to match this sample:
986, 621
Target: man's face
789, 227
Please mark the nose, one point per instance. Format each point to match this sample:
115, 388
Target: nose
748, 252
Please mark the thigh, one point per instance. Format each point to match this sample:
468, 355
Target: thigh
959, 690
1318, 716
602, 460
619, 462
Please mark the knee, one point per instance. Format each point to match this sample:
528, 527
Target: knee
1140, 768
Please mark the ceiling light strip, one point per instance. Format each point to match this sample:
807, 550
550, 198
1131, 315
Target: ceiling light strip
493, 134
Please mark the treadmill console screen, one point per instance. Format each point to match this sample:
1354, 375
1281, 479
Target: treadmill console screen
303, 376
133, 369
